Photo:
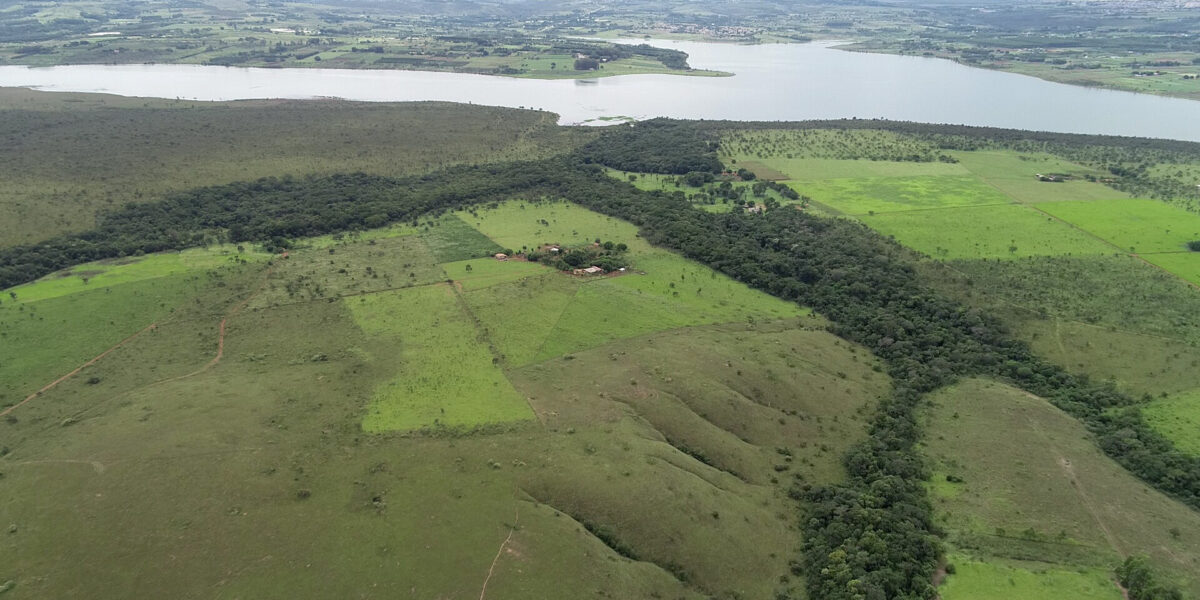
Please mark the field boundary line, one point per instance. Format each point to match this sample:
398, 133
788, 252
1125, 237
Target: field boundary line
931, 208
1097, 237
89, 363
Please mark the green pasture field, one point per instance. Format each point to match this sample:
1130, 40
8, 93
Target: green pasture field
1178, 417
520, 315
523, 224
143, 458
981, 580
107, 273
893, 194
451, 239
447, 377
43, 340
542, 318
485, 272
1004, 232
1140, 226
372, 264
1015, 174
1137, 363
1184, 264
1035, 487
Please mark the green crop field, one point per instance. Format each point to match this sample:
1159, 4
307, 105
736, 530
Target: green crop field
452, 240
986, 232
893, 194
446, 377
1141, 226
1029, 484
978, 580
1178, 417
818, 169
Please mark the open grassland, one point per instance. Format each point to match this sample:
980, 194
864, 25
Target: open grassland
1119, 292
450, 239
349, 267
1177, 416
51, 326
1015, 478
107, 273
1110, 318
539, 319
447, 376
980, 580
1141, 226
1184, 265
1138, 364
869, 195
529, 225
1009, 231
604, 500
1015, 174
93, 152
485, 272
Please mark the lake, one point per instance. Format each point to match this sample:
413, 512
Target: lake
771, 82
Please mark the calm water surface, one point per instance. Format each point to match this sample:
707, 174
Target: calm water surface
772, 82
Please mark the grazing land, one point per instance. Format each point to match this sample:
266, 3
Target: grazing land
1177, 416
1016, 479
768, 402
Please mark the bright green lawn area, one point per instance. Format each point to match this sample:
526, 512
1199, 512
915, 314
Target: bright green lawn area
832, 168
974, 580
520, 224
986, 232
43, 340
890, 194
446, 375
1015, 174
1141, 226
484, 272
89, 276
1183, 264
1178, 417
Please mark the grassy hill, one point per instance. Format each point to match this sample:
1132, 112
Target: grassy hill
428, 423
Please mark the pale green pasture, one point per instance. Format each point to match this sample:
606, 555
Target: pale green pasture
445, 375
1016, 173
1183, 264
518, 224
986, 232
1141, 226
484, 272
976, 580
104, 273
890, 194
1178, 417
